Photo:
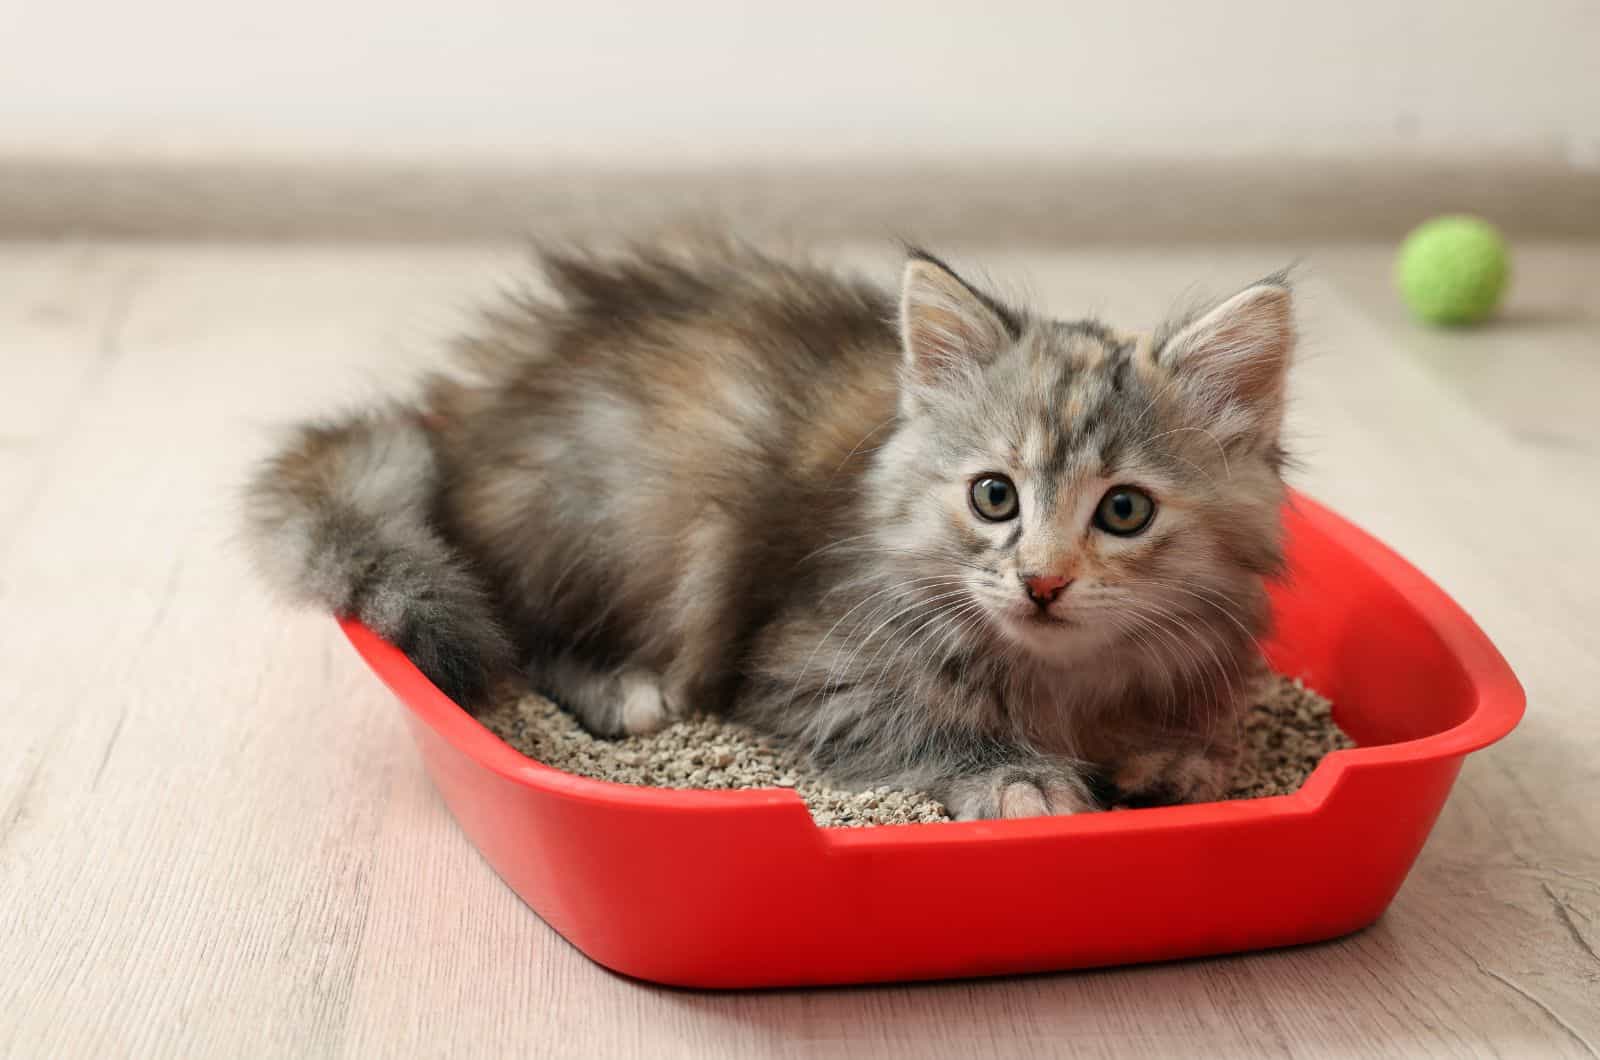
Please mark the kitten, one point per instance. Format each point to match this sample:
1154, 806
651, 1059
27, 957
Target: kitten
944, 543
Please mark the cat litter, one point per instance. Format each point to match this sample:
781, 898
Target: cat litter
1286, 733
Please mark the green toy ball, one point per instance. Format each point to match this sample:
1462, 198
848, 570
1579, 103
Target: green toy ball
1452, 270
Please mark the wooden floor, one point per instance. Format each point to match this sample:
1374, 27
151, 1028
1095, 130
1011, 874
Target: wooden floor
215, 838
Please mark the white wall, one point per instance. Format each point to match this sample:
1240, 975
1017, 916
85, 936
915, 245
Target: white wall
697, 80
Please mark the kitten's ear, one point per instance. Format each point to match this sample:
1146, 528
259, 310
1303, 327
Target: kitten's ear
1234, 360
947, 327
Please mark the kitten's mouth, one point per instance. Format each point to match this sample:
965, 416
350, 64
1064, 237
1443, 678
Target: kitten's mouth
1045, 618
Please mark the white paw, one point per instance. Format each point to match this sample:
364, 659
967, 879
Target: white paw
1023, 798
644, 708
1011, 792
1028, 798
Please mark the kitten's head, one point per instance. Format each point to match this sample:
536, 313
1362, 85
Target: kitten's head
1069, 488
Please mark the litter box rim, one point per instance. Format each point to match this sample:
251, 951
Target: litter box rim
1499, 703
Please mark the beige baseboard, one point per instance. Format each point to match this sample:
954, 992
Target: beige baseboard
1099, 202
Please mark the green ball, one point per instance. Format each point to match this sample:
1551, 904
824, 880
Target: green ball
1452, 270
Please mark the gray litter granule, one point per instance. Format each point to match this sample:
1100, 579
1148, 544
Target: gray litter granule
1286, 734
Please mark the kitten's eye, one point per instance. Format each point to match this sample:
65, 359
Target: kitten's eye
994, 498
1124, 511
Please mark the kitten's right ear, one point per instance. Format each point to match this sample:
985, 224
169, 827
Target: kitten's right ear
948, 329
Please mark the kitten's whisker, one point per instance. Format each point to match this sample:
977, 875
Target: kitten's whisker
901, 588
1202, 587
1163, 658
904, 637
914, 650
944, 557
1221, 451
954, 631
850, 662
863, 441
1229, 615
1132, 628
1185, 641
830, 546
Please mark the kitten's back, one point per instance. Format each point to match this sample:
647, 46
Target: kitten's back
661, 442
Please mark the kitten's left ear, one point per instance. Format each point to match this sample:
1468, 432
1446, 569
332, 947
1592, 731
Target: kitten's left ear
1234, 360
947, 328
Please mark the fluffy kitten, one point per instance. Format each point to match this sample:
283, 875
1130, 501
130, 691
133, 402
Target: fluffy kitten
940, 543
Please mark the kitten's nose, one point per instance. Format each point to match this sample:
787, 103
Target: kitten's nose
1044, 588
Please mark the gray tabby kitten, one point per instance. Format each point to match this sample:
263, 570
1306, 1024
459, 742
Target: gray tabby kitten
941, 543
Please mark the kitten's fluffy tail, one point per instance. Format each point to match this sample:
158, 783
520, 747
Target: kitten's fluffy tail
342, 519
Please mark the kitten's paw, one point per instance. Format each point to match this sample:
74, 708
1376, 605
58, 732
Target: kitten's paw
1019, 791
1169, 778
645, 708
608, 703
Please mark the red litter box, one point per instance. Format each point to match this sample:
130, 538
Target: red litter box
741, 889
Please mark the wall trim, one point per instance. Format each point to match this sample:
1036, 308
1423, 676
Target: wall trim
1140, 201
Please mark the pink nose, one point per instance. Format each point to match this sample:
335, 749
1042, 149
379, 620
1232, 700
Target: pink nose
1044, 588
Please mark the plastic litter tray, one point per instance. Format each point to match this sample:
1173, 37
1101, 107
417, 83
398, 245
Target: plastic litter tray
741, 889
